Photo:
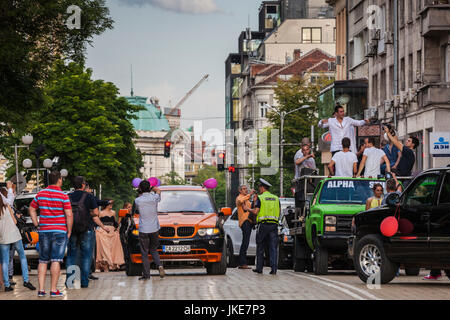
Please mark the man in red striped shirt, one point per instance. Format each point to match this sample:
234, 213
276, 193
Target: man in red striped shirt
55, 227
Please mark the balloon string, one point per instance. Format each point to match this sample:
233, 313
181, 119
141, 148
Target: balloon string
397, 210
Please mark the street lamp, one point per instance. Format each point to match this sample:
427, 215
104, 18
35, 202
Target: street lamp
283, 115
26, 140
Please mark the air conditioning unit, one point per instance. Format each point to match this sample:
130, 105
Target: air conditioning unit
411, 94
387, 105
375, 34
403, 97
396, 101
389, 37
371, 113
370, 49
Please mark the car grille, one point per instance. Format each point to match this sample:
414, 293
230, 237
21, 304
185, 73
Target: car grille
344, 224
185, 231
167, 232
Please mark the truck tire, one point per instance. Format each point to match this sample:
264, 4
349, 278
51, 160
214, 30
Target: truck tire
370, 259
412, 271
231, 258
320, 262
218, 268
133, 269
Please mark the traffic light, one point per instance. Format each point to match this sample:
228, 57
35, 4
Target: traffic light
167, 146
221, 161
231, 169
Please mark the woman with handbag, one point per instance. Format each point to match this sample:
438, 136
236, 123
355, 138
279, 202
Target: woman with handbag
10, 235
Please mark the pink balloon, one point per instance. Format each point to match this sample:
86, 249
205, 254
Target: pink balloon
210, 183
389, 226
153, 181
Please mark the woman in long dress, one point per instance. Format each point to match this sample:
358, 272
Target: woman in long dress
109, 249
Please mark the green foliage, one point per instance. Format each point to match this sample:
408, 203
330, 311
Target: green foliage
217, 194
33, 35
172, 178
87, 125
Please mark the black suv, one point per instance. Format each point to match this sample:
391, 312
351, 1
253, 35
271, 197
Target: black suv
423, 236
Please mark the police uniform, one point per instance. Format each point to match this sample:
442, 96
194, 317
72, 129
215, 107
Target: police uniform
267, 219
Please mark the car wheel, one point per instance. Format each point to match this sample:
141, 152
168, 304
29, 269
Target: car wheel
231, 258
218, 268
320, 261
370, 259
133, 269
412, 271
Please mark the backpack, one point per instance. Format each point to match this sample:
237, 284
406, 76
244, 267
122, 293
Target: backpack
81, 215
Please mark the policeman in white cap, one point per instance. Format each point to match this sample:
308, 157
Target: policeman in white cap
267, 210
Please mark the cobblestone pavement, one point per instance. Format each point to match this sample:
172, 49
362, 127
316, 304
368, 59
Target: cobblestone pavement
188, 284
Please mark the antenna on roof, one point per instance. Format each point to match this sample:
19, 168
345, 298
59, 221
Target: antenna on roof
132, 93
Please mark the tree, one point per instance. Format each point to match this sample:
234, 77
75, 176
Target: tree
33, 35
87, 125
172, 178
217, 194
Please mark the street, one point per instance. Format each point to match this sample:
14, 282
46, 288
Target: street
194, 284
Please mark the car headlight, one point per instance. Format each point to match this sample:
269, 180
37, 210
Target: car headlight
208, 231
331, 220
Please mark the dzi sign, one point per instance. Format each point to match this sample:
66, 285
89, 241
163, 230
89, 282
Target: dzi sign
440, 144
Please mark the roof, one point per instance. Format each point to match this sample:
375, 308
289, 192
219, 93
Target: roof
150, 119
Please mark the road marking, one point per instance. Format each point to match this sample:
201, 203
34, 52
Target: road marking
325, 280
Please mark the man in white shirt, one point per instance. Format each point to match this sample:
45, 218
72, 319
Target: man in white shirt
341, 127
304, 158
372, 160
344, 161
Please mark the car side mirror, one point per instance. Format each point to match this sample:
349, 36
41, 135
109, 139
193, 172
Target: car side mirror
123, 213
225, 212
393, 199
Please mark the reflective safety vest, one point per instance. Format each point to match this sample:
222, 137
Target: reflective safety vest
270, 208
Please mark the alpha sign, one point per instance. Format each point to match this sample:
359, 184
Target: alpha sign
440, 144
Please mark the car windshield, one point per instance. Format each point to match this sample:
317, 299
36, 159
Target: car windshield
185, 201
348, 191
22, 205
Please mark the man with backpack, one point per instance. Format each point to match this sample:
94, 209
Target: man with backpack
85, 217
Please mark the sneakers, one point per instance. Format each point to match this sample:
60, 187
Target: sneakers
8, 289
29, 285
257, 271
430, 277
162, 273
42, 293
274, 272
55, 294
144, 278
92, 277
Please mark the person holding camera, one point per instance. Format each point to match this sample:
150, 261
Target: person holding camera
147, 205
408, 158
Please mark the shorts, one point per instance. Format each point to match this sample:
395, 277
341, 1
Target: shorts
52, 246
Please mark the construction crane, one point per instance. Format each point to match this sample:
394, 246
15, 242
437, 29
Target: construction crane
189, 93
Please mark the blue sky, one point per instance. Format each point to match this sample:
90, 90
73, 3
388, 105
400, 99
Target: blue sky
172, 44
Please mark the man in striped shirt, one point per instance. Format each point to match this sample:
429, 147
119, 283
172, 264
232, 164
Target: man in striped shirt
55, 227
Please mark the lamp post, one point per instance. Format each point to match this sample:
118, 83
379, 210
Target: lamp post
283, 115
48, 164
26, 140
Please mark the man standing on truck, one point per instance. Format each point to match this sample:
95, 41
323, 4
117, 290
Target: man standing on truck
267, 210
341, 127
304, 158
345, 162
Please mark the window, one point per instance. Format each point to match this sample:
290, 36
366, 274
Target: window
445, 191
410, 71
185, 201
391, 80
358, 50
313, 79
359, 12
263, 109
402, 74
418, 6
382, 86
374, 90
334, 34
235, 215
312, 35
419, 62
401, 13
410, 10
423, 190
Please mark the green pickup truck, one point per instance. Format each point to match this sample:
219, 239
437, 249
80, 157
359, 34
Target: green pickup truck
323, 221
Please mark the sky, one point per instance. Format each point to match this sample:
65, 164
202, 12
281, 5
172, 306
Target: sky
172, 44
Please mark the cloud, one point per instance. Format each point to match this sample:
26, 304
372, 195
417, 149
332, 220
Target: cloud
181, 6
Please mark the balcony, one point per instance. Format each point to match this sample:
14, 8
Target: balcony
435, 18
434, 94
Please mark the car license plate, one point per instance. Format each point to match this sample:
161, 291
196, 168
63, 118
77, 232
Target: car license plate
176, 248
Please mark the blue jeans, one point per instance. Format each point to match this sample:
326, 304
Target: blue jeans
5, 250
82, 245
52, 246
267, 232
246, 232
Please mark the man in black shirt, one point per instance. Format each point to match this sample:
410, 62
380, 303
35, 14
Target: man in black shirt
408, 158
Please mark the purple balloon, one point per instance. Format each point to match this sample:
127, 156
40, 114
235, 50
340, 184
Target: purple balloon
136, 182
153, 181
210, 183
159, 183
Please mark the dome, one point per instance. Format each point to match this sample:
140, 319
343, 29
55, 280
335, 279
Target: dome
150, 119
